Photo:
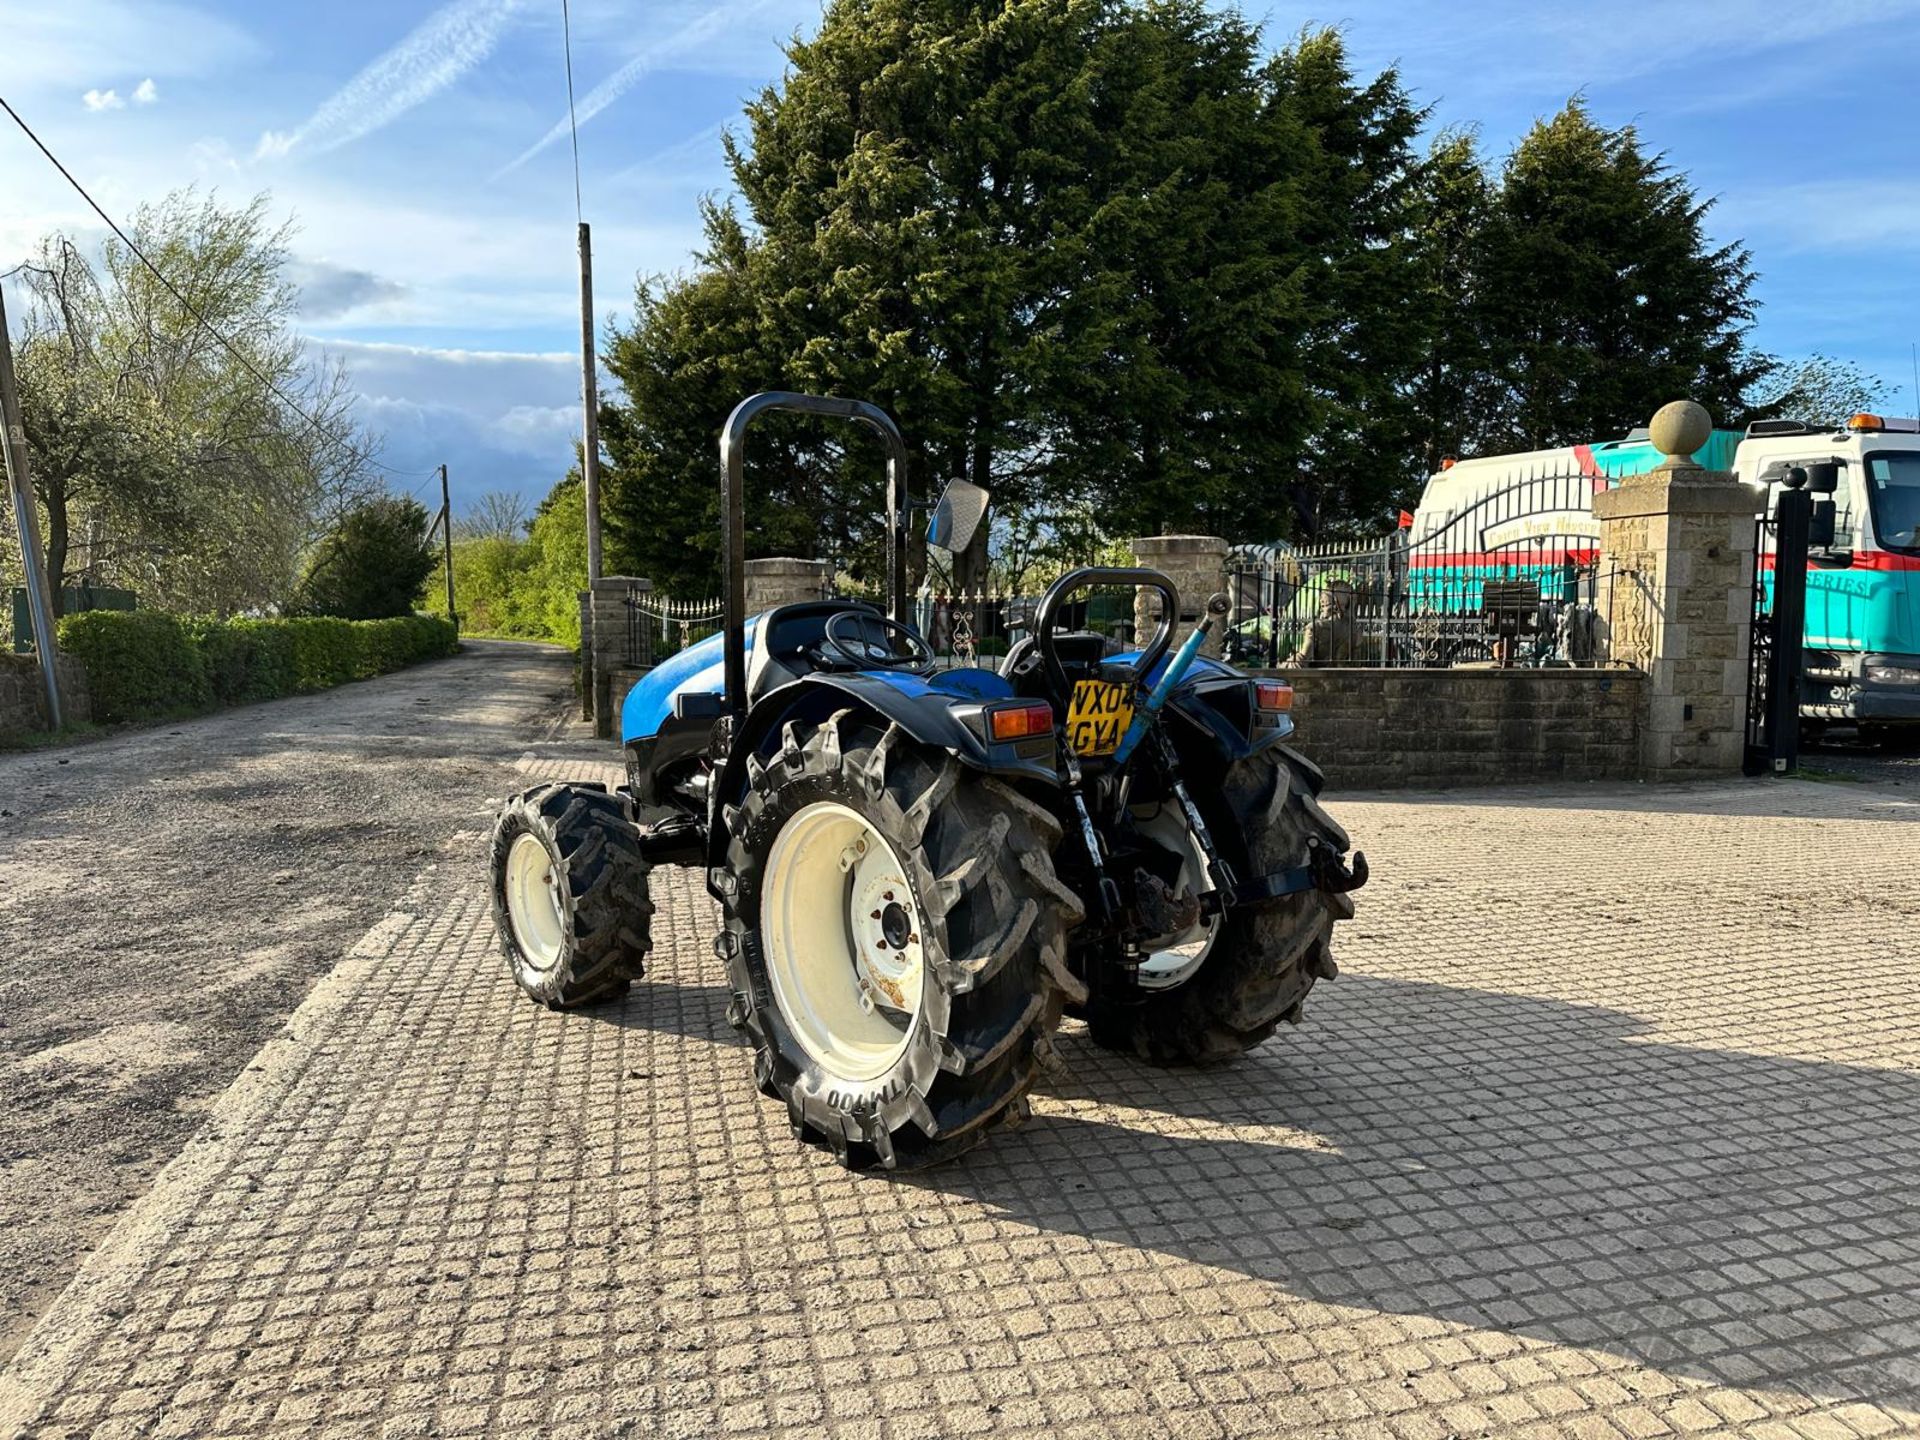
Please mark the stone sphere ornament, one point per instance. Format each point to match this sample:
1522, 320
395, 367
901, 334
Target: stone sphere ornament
1679, 428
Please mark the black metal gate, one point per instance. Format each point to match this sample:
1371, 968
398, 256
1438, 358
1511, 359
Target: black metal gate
1774, 662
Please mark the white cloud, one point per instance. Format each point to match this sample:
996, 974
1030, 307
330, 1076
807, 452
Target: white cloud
103, 100
146, 92
434, 54
500, 420
390, 350
537, 431
686, 39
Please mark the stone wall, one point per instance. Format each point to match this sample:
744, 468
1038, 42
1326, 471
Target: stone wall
23, 697
1391, 729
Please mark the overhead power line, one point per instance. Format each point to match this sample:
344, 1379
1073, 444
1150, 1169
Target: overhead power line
355, 455
573, 125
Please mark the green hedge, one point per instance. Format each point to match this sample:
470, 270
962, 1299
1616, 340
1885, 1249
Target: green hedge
143, 664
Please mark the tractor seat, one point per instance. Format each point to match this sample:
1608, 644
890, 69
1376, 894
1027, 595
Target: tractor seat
1078, 650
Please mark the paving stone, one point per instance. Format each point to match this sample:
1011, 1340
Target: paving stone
1616, 1106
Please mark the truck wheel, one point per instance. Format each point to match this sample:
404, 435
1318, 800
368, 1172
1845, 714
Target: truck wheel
570, 894
1221, 988
896, 941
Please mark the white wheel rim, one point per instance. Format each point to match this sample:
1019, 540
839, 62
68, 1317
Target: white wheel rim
533, 901
1170, 960
843, 941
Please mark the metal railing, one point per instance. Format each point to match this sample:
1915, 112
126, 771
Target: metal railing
1514, 577
659, 626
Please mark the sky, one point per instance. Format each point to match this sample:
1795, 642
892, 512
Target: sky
422, 151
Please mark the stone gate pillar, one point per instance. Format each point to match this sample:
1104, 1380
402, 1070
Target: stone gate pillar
621, 643
585, 666
1677, 582
784, 580
1197, 565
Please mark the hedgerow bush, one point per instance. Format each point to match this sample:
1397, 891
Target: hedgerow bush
142, 664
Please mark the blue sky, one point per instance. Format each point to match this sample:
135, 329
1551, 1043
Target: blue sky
421, 149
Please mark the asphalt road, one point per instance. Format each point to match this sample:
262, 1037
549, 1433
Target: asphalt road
168, 896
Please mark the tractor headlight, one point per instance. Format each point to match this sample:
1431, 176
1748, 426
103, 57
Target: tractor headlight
1893, 675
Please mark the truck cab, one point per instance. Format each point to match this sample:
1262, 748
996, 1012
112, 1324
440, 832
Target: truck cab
1862, 642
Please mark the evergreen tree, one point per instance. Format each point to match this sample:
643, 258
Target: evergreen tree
1355, 253
1601, 296
372, 564
1088, 252
1451, 396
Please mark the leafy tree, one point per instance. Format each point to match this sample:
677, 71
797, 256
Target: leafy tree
1820, 390
165, 460
547, 595
372, 564
497, 515
528, 584
1601, 297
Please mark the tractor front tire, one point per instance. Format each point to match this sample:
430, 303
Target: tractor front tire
1264, 958
570, 894
895, 938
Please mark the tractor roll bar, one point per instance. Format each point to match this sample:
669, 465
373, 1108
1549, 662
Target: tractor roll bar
733, 544
1086, 578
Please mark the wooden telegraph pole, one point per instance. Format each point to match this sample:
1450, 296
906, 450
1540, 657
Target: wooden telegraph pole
590, 400
446, 541
13, 441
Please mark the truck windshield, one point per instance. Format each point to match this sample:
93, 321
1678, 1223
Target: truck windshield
1893, 489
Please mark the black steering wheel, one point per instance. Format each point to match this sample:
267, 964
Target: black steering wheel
850, 638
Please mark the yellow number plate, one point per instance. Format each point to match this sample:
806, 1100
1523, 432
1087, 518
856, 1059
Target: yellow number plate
1098, 716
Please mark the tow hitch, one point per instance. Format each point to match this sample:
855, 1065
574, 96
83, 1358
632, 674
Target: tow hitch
1324, 870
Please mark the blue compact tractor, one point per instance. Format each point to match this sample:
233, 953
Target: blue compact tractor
920, 870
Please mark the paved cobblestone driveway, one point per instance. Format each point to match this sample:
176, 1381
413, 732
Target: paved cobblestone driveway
1610, 1128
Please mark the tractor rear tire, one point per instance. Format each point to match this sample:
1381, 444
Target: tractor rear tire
570, 894
974, 995
1265, 958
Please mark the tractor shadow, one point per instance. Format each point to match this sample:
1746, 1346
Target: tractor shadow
1515, 1164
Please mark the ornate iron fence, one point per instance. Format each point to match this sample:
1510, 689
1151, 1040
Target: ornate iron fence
1512, 577
659, 626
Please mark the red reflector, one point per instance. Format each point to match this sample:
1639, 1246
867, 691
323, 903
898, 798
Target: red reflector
1272, 695
1017, 722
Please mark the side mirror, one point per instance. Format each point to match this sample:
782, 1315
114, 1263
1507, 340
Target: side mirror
1823, 476
1820, 526
958, 513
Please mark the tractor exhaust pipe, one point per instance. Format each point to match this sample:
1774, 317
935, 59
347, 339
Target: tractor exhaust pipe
733, 519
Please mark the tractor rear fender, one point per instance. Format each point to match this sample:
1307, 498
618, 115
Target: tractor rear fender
941, 711
1215, 708
1213, 704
